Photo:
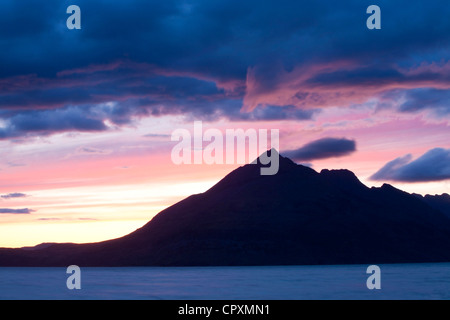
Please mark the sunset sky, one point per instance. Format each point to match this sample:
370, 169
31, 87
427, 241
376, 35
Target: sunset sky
86, 116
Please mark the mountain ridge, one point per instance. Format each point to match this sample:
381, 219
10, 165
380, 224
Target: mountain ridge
298, 216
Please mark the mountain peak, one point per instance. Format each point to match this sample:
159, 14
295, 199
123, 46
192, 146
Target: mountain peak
444, 196
273, 154
344, 178
341, 173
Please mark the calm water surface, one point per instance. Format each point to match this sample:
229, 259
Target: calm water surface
399, 281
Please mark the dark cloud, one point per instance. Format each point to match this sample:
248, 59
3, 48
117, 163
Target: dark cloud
275, 113
376, 75
322, 149
43, 122
436, 100
13, 195
93, 118
434, 165
359, 77
143, 58
15, 211
215, 38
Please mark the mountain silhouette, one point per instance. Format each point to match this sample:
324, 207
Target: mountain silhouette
298, 216
439, 202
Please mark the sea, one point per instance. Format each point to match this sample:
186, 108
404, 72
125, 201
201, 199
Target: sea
342, 282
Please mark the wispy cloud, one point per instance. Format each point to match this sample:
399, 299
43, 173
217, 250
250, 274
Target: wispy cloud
67, 219
156, 135
92, 151
13, 195
16, 211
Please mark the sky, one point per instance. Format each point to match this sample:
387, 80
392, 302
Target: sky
86, 115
